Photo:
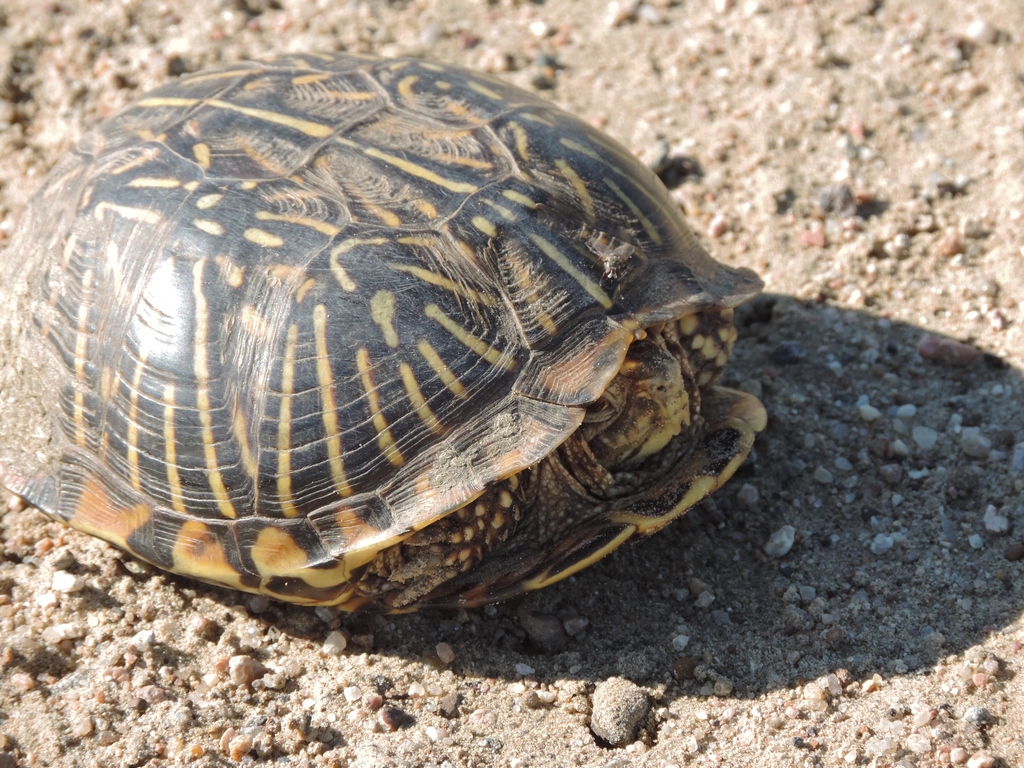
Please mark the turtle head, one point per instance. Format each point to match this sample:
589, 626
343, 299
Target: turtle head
642, 409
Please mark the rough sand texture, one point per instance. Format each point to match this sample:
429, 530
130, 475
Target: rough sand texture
867, 158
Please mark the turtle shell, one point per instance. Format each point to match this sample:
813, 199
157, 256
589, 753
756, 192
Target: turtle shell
275, 317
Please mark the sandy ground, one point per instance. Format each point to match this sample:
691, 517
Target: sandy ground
866, 158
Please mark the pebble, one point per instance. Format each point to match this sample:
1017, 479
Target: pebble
1014, 552
546, 631
975, 444
144, 640
869, 413
822, 475
881, 544
947, 351
335, 644
843, 464
352, 693
995, 522
67, 582
748, 495
919, 744
788, 352
981, 759
906, 411
899, 448
925, 437
975, 541
978, 716
445, 653
618, 707
958, 756
524, 669
717, 226
781, 541
244, 670
981, 32
392, 718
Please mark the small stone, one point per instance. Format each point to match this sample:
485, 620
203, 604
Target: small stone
958, 756
67, 582
717, 226
574, 625
781, 541
144, 640
891, 473
239, 746
1014, 552
416, 690
524, 669
899, 448
822, 475
843, 464
975, 541
619, 706
975, 444
259, 604
788, 353
807, 594
352, 693
881, 544
925, 437
995, 522
919, 744
335, 643
748, 495
546, 632
978, 716
950, 243
869, 413
243, 670
981, 32
723, 687
981, 759
906, 411
947, 351
393, 718
684, 668
448, 705
445, 653
679, 642
704, 600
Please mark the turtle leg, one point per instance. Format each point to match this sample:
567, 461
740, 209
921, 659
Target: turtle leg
534, 558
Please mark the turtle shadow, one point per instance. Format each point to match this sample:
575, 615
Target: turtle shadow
899, 555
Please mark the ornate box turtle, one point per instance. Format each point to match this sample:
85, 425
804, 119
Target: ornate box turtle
373, 333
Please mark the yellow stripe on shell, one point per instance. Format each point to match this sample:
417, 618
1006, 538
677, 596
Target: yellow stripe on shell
385, 440
171, 451
284, 425
208, 201
96, 514
329, 407
652, 231
448, 378
439, 280
340, 273
420, 172
200, 367
579, 187
308, 127
149, 182
491, 354
262, 237
125, 212
586, 282
214, 228
419, 403
133, 422
201, 152
323, 227
382, 312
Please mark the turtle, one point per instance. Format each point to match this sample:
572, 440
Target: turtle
373, 333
